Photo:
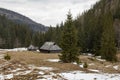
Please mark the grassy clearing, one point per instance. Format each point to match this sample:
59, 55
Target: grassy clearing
39, 59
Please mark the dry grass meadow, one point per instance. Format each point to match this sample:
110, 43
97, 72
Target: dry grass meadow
40, 59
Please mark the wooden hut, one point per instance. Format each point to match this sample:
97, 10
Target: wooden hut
50, 47
32, 48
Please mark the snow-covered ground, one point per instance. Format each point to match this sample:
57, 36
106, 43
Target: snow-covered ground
24, 72
78, 75
32, 67
14, 49
47, 74
46, 68
53, 60
108, 66
81, 65
4, 77
1, 56
93, 70
73, 75
116, 67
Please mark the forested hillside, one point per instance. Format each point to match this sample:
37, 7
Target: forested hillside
98, 29
12, 34
91, 23
17, 30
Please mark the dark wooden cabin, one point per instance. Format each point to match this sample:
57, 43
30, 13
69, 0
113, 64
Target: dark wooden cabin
50, 47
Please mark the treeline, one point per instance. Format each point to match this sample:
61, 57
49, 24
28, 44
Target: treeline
13, 35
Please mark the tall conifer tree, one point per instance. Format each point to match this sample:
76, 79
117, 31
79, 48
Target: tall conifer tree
69, 42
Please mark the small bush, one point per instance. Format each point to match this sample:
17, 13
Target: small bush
7, 57
85, 65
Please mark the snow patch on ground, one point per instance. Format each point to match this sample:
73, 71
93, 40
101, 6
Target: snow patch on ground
53, 60
41, 73
18, 69
81, 65
8, 76
1, 56
94, 70
108, 66
91, 76
51, 76
24, 72
4, 64
116, 67
46, 68
14, 49
1, 77
41, 68
32, 67
102, 60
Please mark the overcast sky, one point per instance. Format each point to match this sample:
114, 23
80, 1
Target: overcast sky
47, 12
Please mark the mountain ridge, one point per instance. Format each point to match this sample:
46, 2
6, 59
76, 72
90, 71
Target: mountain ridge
21, 19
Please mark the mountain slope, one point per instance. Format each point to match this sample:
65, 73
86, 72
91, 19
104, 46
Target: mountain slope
16, 17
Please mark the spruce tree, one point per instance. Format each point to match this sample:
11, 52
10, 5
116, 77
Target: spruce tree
69, 42
108, 48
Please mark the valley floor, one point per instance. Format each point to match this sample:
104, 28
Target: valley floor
26, 65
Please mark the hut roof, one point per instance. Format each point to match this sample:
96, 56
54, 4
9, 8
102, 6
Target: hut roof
50, 46
31, 47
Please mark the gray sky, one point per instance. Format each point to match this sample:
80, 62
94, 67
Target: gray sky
47, 12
